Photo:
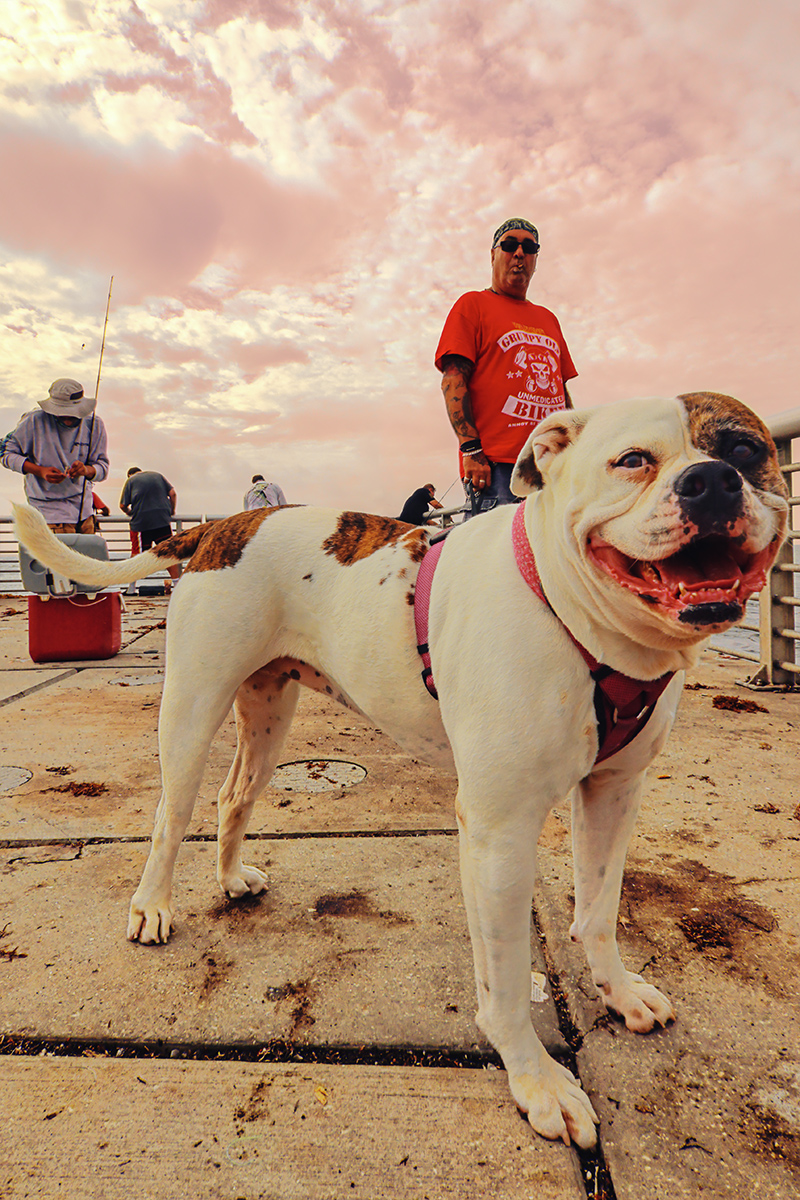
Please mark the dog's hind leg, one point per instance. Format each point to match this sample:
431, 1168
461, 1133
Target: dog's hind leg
185, 733
604, 812
264, 707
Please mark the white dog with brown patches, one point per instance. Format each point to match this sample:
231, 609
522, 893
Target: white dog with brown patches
651, 523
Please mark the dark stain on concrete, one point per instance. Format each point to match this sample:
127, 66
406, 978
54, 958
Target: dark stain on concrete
355, 904
690, 908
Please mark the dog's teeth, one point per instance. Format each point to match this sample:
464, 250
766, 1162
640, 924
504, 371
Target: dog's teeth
682, 588
735, 587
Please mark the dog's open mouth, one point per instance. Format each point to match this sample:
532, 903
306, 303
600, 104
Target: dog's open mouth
706, 582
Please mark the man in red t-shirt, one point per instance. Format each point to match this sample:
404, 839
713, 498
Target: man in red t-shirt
504, 365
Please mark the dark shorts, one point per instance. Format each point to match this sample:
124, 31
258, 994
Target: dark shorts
149, 537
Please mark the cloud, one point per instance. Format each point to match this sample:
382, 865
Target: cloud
160, 220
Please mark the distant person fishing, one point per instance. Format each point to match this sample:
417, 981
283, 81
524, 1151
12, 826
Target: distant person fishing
58, 447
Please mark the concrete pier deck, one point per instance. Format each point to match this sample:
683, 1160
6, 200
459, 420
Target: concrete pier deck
318, 1042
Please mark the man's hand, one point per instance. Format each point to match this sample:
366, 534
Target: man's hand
477, 470
78, 468
46, 474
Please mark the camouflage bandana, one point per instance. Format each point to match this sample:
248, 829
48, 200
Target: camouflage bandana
514, 223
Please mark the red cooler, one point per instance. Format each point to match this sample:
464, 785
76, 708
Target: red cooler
67, 628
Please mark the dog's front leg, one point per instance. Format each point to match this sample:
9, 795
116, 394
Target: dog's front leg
604, 812
497, 874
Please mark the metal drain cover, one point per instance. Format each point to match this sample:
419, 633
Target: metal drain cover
316, 775
13, 777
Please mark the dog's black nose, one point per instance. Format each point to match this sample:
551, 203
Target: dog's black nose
710, 485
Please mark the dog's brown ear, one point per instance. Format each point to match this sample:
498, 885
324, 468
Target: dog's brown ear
550, 437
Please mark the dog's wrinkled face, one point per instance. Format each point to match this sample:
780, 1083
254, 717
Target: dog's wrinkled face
679, 504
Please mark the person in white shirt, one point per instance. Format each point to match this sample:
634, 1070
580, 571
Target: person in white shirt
263, 495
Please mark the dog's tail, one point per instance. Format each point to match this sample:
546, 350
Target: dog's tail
32, 530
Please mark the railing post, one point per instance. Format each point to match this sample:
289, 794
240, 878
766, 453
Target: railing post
776, 612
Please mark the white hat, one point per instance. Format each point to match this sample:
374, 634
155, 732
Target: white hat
67, 400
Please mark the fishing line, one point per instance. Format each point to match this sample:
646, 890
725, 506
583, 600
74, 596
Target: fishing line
94, 410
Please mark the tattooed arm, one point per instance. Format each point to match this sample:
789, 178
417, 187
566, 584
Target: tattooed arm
456, 375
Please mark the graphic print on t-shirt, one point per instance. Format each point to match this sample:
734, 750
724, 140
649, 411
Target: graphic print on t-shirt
534, 375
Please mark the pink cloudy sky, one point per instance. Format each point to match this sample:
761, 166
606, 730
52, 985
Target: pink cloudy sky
290, 194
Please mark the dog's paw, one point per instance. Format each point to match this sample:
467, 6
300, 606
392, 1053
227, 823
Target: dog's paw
150, 923
641, 1004
555, 1104
243, 881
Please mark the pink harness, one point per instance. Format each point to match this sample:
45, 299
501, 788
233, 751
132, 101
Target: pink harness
622, 705
422, 602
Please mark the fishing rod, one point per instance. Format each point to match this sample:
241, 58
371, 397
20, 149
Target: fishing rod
96, 393
103, 341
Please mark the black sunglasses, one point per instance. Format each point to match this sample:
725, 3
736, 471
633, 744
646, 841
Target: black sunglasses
510, 245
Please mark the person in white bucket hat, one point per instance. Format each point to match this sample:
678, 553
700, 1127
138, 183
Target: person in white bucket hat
60, 448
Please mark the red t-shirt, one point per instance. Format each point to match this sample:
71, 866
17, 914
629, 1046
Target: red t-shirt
521, 365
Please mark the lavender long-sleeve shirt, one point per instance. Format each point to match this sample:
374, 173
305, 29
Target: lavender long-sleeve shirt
42, 439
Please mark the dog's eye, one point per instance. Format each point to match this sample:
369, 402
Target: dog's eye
633, 460
744, 453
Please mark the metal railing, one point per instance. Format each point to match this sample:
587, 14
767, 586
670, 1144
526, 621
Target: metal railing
779, 602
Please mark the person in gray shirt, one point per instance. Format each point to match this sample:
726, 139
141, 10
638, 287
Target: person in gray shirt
61, 449
150, 501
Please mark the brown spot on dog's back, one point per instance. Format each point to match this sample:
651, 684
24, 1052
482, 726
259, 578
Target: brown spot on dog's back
713, 417
358, 535
224, 542
182, 545
417, 543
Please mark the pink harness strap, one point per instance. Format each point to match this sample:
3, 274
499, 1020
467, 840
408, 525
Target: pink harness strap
422, 600
623, 706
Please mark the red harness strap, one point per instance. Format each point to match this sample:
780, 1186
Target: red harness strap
623, 706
